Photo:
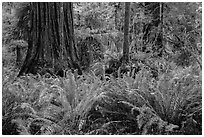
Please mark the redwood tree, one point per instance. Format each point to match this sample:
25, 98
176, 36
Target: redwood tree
50, 38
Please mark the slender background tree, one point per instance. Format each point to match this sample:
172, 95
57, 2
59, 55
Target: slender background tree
126, 33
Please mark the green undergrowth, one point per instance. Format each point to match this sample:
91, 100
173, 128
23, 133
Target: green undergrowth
87, 105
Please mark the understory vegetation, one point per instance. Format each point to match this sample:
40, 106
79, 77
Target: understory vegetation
87, 105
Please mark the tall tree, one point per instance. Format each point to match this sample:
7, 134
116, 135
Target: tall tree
50, 38
126, 33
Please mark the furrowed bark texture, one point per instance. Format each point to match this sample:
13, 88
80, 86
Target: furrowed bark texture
51, 38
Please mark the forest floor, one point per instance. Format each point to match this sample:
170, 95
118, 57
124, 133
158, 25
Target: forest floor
35, 104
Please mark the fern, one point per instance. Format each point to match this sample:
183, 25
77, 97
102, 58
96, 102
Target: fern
33, 98
87, 105
176, 96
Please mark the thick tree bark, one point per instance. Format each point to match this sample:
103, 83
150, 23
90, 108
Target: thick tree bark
51, 38
126, 33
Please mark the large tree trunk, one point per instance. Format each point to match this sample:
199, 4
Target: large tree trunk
51, 38
126, 33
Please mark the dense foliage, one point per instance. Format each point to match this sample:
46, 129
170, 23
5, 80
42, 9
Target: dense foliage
87, 105
158, 92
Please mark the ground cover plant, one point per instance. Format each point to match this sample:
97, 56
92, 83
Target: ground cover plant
87, 105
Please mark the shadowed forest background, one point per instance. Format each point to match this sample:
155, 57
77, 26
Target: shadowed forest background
101, 68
